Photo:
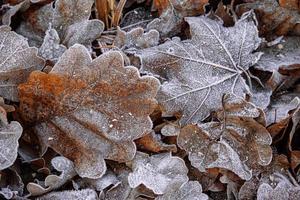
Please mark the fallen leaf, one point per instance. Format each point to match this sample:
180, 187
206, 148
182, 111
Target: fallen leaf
17, 60
11, 10
9, 136
89, 110
71, 195
159, 172
197, 72
290, 4
52, 181
237, 143
69, 18
189, 190
170, 21
273, 19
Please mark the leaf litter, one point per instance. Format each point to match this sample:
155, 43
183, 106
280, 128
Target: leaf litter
156, 99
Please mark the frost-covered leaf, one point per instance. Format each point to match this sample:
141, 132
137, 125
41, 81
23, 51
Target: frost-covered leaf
286, 53
52, 182
9, 136
90, 110
136, 38
237, 143
51, 49
11, 184
197, 72
17, 60
11, 10
159, 172
280, 188
170, 21
69, 18
86, 194
189, 190
273, 19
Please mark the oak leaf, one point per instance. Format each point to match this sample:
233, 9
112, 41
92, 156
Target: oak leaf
17, 60
9, 136
197, 72
237, 142
89, 110
71, 195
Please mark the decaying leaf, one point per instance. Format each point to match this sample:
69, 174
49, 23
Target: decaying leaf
136, 38
273, 18
189, 190
17, 60
9, 136
197, 72
11, 184
159, 172
69, 18
52, 182
237, 143
11, 10
71, 195
284, 54
173, 11
88, 110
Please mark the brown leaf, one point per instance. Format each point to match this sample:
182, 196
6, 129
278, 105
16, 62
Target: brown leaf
237, 143
88, 110
290, 4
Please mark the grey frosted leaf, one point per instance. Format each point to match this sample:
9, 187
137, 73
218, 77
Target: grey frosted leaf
92, 110
17, 60
51, 48
197, 72
9, 136
69, 18
136, 38
86, 194
170, 130
237, 143
190, 190
159, 172
52, 182
89, 31
12, 10
138, 17
286, 53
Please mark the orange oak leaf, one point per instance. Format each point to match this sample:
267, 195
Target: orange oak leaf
89, 110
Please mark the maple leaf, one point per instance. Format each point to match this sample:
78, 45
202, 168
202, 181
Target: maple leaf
237, 143
17, 60
9, 136
88, 110
197, 72
159, 172
69, 18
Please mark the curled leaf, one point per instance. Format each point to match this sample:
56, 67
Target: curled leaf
237, 143
159, 172
197, 72
88, 110
17, 60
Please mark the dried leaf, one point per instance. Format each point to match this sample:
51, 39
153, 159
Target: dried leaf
88, 110
69, 18
51, 49
237, 143
159, 172
273, 19
189, 190
199, 71
11, 10
52, 182
136, 38
9, 136
285, 54
17, 60
170, 21
71, 195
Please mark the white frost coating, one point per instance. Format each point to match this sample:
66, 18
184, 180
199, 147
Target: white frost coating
199, 71
159, 172
86, 194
